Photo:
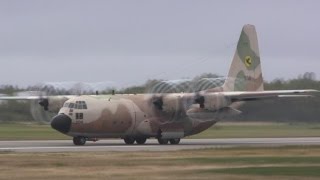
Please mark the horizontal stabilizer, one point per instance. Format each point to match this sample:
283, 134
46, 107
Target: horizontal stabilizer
261, 95
32, 97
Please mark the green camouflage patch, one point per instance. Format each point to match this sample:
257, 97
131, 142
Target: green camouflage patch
246, 54
240, 82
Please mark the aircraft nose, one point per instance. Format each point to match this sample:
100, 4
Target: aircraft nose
61, 123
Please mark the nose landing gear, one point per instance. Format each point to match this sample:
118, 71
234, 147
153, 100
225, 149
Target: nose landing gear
79, 140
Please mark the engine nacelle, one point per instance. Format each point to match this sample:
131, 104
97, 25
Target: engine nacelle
171, 103
215, 102
168, 103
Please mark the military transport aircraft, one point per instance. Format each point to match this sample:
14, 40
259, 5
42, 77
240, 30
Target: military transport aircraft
167, 117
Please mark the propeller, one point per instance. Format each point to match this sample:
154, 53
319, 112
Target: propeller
38, 106
44, 103
39, 113
49, 102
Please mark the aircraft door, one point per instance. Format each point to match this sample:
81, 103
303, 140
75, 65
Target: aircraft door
138, 119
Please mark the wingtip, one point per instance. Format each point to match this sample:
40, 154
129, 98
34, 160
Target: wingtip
313, 91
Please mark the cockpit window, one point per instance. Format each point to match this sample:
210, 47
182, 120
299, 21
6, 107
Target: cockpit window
66, 105
77, 105
71, 105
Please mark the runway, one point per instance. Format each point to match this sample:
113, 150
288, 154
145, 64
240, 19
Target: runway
151, 145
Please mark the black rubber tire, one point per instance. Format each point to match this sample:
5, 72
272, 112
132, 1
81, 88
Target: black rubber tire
163, 141
79, 141
175, 141
129, 140
141, 140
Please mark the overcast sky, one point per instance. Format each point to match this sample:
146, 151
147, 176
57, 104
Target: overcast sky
128, 42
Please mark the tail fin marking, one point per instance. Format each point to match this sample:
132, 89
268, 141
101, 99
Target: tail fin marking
245, 72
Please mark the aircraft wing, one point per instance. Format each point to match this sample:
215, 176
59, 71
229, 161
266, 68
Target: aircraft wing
49, 103
235, 96
34, 97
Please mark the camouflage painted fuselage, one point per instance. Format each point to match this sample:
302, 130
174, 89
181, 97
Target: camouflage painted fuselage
141, 115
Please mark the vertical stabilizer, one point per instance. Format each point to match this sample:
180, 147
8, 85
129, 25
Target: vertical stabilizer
245, 71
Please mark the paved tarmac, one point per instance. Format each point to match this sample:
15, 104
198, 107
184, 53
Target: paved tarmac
151, 145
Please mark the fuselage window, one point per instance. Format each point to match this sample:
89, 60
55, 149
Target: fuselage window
79, 115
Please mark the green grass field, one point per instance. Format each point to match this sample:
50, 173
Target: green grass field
285, 163
259, 130
32, 131
28, 131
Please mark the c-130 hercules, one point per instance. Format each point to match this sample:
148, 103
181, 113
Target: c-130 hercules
167, 117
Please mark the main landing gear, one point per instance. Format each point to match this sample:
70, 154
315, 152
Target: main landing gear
142, 140
131, 140
166, 141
